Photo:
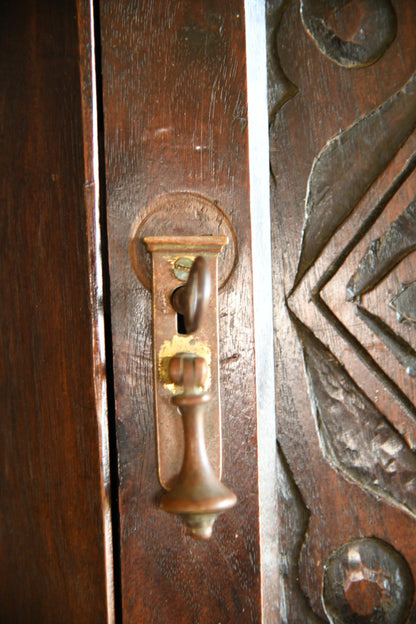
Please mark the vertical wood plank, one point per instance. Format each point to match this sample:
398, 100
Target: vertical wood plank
175, 115
54, 540
331, 397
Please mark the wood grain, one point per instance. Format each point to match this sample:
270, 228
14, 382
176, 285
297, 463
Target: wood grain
52, 540
175, 119
330, 100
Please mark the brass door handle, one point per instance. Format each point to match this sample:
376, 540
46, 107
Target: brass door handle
197, 495
191, 300
187, 379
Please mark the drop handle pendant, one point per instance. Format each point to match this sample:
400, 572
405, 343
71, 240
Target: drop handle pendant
197, 495
186, 378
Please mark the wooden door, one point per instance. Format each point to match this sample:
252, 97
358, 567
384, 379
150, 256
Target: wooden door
176, 153
341, 161
55, 528
342, 145
341, 106
320, 279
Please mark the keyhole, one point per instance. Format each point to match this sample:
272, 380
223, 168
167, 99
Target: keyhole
180, 324
180, 318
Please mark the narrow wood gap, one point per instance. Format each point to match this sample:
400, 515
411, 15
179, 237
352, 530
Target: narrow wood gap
112, 433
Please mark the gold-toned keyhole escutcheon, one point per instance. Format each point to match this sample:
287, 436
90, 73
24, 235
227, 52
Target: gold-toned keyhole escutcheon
186, 378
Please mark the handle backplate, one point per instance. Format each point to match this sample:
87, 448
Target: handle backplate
167, 255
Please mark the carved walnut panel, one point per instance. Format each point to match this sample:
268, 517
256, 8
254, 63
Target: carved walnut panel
342, 105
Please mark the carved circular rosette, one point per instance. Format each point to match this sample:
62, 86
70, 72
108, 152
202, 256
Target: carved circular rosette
367, 581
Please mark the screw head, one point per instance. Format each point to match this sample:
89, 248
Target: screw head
182, 267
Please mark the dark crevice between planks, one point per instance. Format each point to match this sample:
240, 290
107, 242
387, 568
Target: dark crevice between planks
115, 514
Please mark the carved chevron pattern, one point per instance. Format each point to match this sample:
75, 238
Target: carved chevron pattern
355, 437
348, 165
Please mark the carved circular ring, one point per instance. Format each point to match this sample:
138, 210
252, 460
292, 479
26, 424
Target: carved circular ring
366, 582
182, 213
372, 28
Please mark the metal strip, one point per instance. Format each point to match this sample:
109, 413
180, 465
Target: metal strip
263, 301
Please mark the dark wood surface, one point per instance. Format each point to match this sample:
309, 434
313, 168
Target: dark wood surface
175, 119
52, 491
343, 187
345, 385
